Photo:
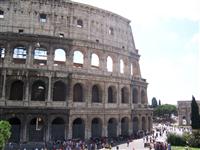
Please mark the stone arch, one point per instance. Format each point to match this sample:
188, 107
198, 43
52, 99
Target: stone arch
112, 127
96, 94
58, 129
78, 59
15, 129
78, 129
184, 120
40, 56
135, 125
143, 123
135, 96
38, 91
112, 94
96, 127
17, 90
59, 91
79, 23
59, 56
94, 60
125, 126
143, 97
109, 64
121, 66
36, 129
78, 93
124, 95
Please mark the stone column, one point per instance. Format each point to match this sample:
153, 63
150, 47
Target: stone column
88, 133
104, 128
29, 59
26, 98
49, 98
48, 130
4, 86
119, 127
130, 125
50, 57
70, 129
140, 123
23, 131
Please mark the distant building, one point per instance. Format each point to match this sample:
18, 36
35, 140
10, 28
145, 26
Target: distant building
184, 112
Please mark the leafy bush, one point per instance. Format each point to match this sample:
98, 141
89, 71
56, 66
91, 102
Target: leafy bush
176, 140
194, 140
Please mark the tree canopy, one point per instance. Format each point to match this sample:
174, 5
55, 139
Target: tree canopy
4, 132
165, 111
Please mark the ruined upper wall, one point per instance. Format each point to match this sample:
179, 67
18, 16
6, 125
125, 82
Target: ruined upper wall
66, 18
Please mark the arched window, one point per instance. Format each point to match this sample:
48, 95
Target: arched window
59, 91
20, 52
111, 31
38, 91
2, 52
112, 128
1, 14
109, 64
124, 95
131, 69
78, 59
78, 129
78, 93
40, 56
96, 127
121, 66
80, 23
143, 97
15, 129
59, 56
111, 94
16, 91
95, 61
124, 126
95, 94
135, 96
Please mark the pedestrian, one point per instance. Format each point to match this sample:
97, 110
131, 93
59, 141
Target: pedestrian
128, 143
117, 147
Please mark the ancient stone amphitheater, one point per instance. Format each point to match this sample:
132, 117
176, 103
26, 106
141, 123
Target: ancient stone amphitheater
69, 70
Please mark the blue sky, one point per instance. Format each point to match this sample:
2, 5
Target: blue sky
167, 35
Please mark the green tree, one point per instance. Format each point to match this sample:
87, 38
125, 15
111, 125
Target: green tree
195, 118
165, 111
4, 133
154, 102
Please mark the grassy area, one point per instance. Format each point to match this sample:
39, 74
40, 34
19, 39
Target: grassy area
183, 148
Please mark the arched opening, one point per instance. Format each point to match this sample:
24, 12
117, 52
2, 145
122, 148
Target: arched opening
19, 54
15, 130
36, 130
96, 127
111, 94
58, 129
59, 91
143, 97
109, 64
78, 93
121, 66
78, 59
96, 97
135, 96
111, 31
184, 120
125, 126
17, 90
132, 69
1, 14
95, 61
135, 125
2, 52
80, 23
59, 57
112, 128
38, 91
40, 56
124, 95
149, 123
78, 129
143, 123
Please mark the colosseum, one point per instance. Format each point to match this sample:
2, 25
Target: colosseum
69, 70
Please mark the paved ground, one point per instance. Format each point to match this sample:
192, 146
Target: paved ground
136, 144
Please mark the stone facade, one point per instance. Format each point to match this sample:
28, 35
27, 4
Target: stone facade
184, 112
69, 70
